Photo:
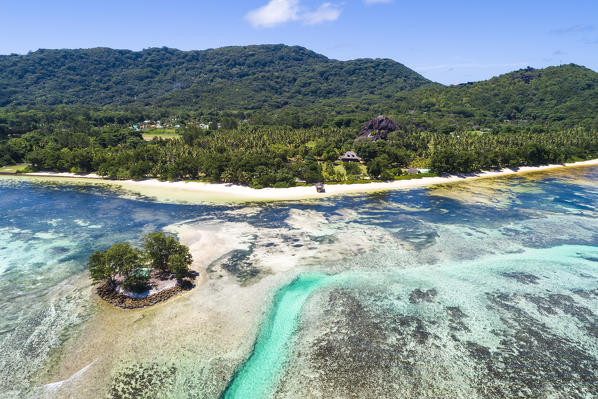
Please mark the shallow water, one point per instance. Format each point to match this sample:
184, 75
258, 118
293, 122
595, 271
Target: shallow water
258, 375
499, 326
485, 289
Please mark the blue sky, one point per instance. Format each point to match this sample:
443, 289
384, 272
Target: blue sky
446, 41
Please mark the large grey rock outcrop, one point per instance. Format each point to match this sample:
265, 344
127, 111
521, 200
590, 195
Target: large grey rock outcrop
378, 128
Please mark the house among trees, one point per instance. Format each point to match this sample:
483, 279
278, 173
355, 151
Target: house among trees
413, 171
129, 274
350, 156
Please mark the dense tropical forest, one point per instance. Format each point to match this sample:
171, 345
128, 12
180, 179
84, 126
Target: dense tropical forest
228, 78
278, 115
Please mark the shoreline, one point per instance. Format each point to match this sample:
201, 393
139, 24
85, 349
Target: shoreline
193, 192
122, 301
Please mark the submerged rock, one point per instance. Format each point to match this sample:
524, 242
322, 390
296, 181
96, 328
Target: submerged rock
418, 296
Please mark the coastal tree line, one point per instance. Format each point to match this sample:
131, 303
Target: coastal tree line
526, 117
279, 156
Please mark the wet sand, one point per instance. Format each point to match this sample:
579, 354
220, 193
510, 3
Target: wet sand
208, 326
206, 332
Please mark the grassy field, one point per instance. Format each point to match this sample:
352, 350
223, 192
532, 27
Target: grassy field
13, 168
340, 169
165, 136
402, 177
166, 133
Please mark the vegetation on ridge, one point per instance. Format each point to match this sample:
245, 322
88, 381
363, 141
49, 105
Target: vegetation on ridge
280, 116
555, 97
229, 78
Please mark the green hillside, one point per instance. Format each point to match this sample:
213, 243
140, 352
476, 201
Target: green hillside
279, 115
230, 78
562, 96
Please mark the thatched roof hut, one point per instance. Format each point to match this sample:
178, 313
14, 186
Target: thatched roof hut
350, 156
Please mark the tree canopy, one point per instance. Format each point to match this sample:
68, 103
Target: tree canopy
238, 77
165, 253
134, 266
268, 116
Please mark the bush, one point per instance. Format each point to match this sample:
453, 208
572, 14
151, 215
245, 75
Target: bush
179, 261
137, 280
386, 175
167, 254
179, 266
120, 258
352, 168
162, 252
158, 248
98, 268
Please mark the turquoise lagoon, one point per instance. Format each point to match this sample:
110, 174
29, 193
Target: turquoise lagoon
487, 289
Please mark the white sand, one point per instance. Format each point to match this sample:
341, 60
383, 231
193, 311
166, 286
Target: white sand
65, 174
200, 192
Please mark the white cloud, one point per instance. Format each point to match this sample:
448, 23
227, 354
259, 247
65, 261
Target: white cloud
326, 12
377, 1
278, 12
274, 13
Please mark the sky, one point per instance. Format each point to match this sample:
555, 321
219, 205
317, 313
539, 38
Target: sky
446, 41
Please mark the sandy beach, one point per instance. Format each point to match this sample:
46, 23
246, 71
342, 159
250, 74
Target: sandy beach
190, 192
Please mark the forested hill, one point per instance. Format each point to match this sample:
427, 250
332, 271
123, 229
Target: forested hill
527, 117
560, 96
232, 78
